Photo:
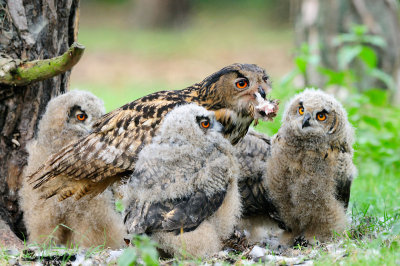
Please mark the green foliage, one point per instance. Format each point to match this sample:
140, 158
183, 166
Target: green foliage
143, 252
356, 46
354, 49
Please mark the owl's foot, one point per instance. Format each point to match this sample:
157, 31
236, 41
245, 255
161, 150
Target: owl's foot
237, 241
301, 241
305, 241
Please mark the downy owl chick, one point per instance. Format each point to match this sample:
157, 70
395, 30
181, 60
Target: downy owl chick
310, 169
184, 191
68, 117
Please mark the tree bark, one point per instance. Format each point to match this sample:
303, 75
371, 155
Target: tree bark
318, 22
29, 30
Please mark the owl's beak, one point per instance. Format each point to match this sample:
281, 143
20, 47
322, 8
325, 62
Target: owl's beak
262, 92
306, 121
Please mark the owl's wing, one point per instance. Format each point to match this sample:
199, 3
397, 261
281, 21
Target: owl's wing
344, 177
252, 153
257, 201
175, 215
109, 153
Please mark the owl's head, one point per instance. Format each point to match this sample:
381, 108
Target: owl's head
242, 88
71, 114
189, 123
314, 116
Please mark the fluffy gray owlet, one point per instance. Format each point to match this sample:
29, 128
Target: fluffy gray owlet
184, 191
310, 169
68, 117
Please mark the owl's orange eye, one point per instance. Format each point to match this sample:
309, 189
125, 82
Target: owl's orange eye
241, 84
205, 124
321, 116
301, 110
81, 117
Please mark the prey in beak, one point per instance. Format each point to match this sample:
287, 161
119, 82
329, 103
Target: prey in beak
265, 109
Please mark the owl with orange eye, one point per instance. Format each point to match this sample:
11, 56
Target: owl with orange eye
310, 169
184, 192
67, 118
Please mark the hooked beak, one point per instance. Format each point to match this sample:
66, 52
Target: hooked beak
262, 92
306, 121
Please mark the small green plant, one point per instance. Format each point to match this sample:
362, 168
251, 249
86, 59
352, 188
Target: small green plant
143, 251
357, 62
4, 256
119, 206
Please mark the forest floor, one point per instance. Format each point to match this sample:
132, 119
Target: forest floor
368, 242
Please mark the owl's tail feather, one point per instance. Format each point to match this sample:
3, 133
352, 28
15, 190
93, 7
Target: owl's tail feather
64, 187
53, 177
74, 170
52, 167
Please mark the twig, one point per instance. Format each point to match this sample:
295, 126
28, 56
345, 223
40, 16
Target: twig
17, 73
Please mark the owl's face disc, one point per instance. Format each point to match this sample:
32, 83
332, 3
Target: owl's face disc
244, 88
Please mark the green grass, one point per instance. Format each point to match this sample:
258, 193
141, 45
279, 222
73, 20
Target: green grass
46, 252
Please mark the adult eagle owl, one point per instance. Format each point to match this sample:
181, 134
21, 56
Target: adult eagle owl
236, 93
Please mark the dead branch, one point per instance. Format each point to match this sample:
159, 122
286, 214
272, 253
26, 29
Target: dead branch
18, 73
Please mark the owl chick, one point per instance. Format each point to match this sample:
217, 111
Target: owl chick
67, 118
184, 190
310, 169
236, 93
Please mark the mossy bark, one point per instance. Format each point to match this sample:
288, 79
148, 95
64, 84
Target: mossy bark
18, 73
29, 30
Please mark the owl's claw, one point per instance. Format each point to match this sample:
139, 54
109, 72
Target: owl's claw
301, 241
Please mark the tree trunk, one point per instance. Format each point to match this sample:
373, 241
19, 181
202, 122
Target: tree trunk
318, 22
162, 13
29, 30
